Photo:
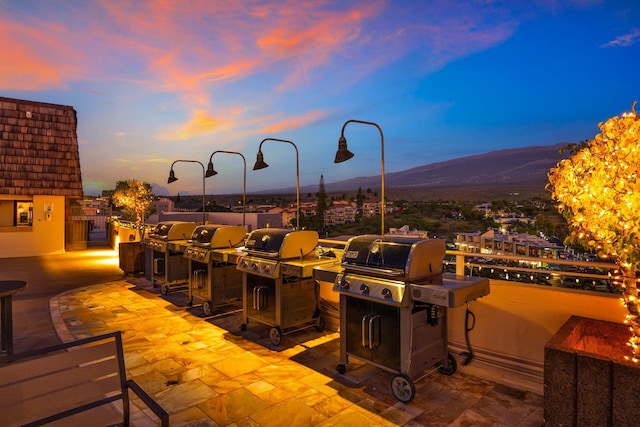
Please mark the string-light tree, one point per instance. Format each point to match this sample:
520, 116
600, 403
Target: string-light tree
598, 190
134, 197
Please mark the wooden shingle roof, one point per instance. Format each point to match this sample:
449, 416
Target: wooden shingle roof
38, 149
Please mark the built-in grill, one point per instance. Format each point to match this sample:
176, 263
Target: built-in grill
165, 245
278, 288
213, 254
393, 306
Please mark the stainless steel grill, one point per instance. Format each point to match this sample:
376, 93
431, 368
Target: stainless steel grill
393, 299
165, 246
278, 288
213, 276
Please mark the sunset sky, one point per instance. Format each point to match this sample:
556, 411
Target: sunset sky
157, 81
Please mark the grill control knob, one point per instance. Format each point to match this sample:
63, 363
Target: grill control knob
345, 284
364, 288
254, 266
266, 269
386, 292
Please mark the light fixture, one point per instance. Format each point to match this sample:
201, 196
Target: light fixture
343, 154
212, 172
172, 178
260, 164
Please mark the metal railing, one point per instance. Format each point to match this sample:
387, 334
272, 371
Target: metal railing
560, 273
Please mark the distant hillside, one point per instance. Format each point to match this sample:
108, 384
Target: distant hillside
505, 174
519, 170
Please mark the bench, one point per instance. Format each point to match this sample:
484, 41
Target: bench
78, 383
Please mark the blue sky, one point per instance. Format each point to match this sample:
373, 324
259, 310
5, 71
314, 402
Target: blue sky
158, 81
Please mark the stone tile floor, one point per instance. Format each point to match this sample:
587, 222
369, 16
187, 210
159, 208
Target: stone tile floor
207, 372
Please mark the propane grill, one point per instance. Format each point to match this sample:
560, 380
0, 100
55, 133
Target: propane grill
278, 288
212, 256
393, 299
169, 231
165, 245
378, 269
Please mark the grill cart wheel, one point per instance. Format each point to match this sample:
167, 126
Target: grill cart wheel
207, 307
275, 335
403, 388
243, 327
453, 365
319, 326
341, 368
164, 289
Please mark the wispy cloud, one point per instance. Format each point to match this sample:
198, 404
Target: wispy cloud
201, 122
37, 55
625, 40
294, 122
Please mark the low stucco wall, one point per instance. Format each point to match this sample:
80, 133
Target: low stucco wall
513, 324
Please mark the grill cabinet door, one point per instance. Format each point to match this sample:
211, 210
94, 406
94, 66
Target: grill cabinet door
260, 300
227, 282
373, 332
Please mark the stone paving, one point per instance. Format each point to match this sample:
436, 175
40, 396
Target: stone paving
206, 371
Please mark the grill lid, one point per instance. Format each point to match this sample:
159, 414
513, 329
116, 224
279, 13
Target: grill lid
406, 258
281, 243
217, 236
172, 230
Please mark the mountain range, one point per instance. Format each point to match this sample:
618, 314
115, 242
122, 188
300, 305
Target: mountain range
508, 171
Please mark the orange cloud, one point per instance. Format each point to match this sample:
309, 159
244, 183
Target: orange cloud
294, 122
37, 56
200, 123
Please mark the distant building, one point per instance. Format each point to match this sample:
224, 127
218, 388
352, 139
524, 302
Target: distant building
340, 212
40, 180
163, 204
371, 207
405, 230
252, 220
516, 244
308, 209
484, 207
512, 219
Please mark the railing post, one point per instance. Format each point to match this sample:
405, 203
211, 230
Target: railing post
459, 265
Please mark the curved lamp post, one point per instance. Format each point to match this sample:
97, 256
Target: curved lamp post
212, 172
172, 178
260, 164
343, 154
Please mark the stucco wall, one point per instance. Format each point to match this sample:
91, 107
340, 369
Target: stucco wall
515, 321
46, 236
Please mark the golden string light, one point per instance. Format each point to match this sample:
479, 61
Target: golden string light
598, 193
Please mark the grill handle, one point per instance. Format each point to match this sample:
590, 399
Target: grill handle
260, 298
199, 279
369, 322
364, 334
373, 270
255, 298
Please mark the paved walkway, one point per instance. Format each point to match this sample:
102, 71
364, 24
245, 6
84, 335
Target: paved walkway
207, 372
